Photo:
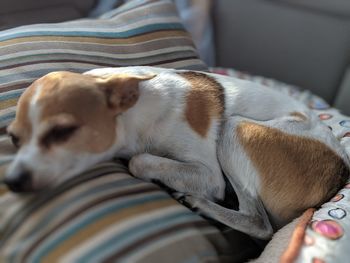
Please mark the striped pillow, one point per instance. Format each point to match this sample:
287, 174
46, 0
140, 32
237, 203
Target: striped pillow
108, 216
104, 215
141, 32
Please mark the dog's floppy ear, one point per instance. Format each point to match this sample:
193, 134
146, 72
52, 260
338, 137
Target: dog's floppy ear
122, 90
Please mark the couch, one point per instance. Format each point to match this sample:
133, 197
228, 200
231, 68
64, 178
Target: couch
305, 45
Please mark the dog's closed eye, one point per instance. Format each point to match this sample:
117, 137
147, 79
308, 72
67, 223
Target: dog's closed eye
58, 134
15, 140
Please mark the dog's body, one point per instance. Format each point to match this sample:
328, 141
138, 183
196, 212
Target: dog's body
183, 129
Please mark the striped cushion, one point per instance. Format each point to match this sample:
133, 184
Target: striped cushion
103, 215
106, 216
141, 32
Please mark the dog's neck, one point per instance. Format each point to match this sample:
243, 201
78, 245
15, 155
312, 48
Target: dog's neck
135, 128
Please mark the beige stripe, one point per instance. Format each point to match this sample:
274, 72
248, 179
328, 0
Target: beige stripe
107, 48
97, 226
8, 103
182, 64
135, 55
131, 40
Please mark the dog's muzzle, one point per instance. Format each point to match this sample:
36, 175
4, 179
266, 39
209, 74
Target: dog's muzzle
20, 182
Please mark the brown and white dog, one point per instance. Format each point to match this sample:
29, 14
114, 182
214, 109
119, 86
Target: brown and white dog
181, 128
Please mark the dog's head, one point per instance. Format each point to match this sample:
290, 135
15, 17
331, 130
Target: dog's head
64, 123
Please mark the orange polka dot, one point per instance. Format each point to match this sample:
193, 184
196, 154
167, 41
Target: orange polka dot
337, 198
325, 116
309, 241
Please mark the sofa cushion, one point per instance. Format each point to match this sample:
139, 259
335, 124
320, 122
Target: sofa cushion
336, 7
141, 32
309, 49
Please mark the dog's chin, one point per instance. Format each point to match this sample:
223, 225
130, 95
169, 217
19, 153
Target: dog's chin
40, 185
31, 189
36, 188
63, 178
58, 181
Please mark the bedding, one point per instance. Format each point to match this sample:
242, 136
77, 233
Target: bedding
140, 32
327, 236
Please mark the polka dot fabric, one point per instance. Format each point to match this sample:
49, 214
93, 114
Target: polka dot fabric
327, 237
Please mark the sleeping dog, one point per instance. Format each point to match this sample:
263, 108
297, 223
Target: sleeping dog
186, 130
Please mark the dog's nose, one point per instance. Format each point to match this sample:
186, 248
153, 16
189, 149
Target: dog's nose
20, 182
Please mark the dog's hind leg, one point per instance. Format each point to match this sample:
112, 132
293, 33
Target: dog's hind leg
200, 186
251, 219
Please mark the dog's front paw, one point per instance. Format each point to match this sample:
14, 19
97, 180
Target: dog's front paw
179, 196
192, 202
140, 166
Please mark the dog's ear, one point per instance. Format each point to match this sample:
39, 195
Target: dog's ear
121, 91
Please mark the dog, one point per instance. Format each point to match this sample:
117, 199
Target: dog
187, 130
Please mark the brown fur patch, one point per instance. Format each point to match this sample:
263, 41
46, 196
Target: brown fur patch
296, 173
78, 97
204, 101
89, 103
122, 90
299, 115
85, 103
21, 126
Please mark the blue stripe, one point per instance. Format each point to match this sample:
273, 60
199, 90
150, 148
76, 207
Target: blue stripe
13, 95
125, 34
90, 218
83, 195
129, 236
41, 72
7, 117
